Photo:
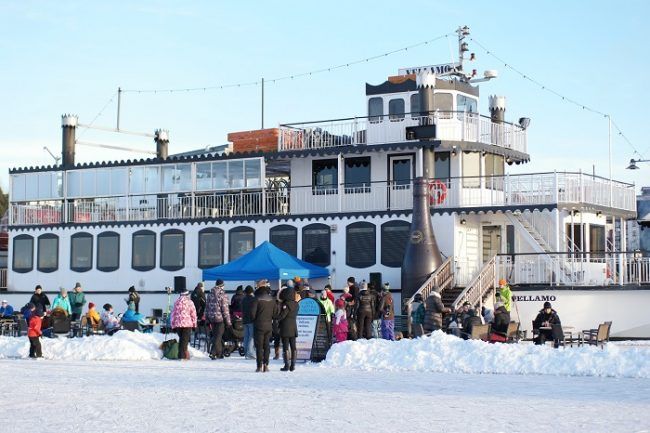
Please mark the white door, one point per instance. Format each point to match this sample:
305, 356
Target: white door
400, 179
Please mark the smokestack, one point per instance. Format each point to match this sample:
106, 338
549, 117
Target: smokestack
422, 256
497, 108
68, 126
425, 81
162, 143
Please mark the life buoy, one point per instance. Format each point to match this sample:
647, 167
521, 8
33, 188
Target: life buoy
437, 192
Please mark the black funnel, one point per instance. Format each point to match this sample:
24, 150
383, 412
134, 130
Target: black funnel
422, 256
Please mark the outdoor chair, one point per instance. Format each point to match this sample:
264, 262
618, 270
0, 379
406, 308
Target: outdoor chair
480, 332
595, 337
512, 334
61, 326
131, 326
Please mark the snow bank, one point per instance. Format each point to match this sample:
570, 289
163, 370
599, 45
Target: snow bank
123, 346
447, 354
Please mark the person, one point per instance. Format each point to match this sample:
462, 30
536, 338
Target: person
350, 306
40, 299
366, 311
387, 311
93, 316
327, 304
236, 302
353, 288
26, 311
183, 321
130, 316
63, 302
34, 332
134, 297
417, 316
505, 293
263, 321
198, 298
111, 323
470, 321
546, 318
330, 293
6, 310
77, 301
340, 322
376, 320
434, 309
501, 319
217, 314
487, 314
287, 316
275, 332
248, 305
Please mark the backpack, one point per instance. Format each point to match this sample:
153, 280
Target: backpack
170, 349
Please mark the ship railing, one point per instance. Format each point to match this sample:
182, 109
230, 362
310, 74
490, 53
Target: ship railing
391, 128
577, 268
3, 278
479, 287
442, 279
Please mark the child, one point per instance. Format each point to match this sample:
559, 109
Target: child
340, 326
34, 332
93, 316
111, 323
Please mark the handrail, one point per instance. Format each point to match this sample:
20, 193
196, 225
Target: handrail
3, 278
442, 277
484, 280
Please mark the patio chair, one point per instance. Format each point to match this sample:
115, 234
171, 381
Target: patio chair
480, 332
595, 337
61, 326
131, 326
512, 334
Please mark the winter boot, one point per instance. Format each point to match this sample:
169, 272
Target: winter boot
285, 356
293, 361
266, 368
259, 368
277, 353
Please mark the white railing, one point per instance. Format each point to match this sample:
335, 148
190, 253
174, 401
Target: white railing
465, 192
456, 126
481, 284
578, 269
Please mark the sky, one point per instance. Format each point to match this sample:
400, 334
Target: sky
71, 57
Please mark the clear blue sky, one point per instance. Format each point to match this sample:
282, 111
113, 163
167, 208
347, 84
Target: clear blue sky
70, 56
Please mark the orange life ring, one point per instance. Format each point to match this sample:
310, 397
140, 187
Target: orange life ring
437, 192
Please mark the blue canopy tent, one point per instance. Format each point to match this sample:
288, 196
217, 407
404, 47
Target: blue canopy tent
265, 261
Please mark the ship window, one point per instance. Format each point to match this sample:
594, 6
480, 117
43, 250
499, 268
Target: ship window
415, 105
316, 244
396, 109
236, 174
394, 238
17, 187
443, 102
108, 251
241, 241
357, 175
210, 248
596, 240
103, 182
81, 252
471, 170
23, 253
494, 169
172, 250
442, 169
253, 173
285, 237
48, 253
204, 175
375, 109
325, 175
361, 245
119, 177
220, 174
466, 104
143, 250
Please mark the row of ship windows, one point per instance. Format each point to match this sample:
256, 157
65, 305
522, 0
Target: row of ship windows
360, 251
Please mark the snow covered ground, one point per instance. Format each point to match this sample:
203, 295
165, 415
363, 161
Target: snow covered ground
73, 394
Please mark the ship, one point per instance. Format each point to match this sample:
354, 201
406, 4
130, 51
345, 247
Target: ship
339, 194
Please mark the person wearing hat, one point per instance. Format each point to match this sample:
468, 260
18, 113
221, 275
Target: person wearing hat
134, 297
93, 316
387, 312
40, 299
417, 316
248, 305
262, 314
62, 302
6, 310
183, 321
77, 301
34, 332
366, 311
546, 318
217, 314
236, 302
199, 300
286, 316
505, 293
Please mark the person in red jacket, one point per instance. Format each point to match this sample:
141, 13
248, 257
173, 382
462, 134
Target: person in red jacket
34, 332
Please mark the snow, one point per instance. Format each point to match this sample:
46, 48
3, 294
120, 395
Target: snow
347, 393
123, 346
443, 353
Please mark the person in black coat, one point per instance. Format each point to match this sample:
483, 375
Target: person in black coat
546, 318
366, 311
286, 316
470, 321
236, 307
501, 320
40, 299
199, 300
263, 323
134, 297
248, 305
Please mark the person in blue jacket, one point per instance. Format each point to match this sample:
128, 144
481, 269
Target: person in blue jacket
62, 301
131, 316
6, 310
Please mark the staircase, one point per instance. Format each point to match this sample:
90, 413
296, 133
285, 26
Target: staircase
450, 295
480, 286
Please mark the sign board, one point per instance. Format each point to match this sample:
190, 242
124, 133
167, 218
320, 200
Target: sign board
442, 69
313, 341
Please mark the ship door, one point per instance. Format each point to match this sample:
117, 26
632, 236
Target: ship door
400, 177
491, 241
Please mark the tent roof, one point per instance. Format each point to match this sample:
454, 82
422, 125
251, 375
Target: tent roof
265, 261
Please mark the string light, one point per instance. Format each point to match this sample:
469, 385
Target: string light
287, 77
